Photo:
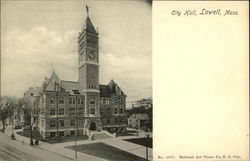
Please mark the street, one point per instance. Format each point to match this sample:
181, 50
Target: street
13, 150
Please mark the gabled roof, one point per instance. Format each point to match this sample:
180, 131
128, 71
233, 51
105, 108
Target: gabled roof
33, 91
114, 88
88, 26
51, 83
72, 87
104, 91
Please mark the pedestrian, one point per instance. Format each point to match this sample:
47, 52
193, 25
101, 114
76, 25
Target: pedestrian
23, 142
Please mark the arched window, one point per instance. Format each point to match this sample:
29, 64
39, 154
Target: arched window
52, 100
61, 100
92, 102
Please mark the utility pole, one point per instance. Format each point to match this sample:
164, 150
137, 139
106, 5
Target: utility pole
57, 124
147, 137
75, 129
31, 136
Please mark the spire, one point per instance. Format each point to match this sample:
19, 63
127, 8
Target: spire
87, 9
88, 26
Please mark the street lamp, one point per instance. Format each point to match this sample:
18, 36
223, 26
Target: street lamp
31, 123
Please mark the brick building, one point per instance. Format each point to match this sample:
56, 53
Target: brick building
85, 105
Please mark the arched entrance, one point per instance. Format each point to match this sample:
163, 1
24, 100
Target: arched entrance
92, 126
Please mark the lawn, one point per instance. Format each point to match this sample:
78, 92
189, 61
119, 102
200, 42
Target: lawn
142, 141
107, 152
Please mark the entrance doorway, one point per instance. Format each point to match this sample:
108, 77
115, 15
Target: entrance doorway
92, 126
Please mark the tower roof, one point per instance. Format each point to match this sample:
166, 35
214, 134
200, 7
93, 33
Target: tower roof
88, 26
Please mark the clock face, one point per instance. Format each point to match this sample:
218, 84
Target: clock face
91, 55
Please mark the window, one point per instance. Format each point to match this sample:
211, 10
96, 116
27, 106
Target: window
53, 134
80, 111
101, 111
80, 101
71, 101
108, 121
52, 111
72, 110
52, 100
76, 92
61, 100
61, 133
72, 133
61, 111
52, 123
92, 102
61, 122
72, 122
121, 110
92, 111
116, 110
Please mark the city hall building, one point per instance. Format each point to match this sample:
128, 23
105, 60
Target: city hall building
63, 106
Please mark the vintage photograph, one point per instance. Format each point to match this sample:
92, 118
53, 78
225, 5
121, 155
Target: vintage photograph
76, 80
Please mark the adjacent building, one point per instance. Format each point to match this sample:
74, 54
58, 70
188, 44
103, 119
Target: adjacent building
145, 103
138, 120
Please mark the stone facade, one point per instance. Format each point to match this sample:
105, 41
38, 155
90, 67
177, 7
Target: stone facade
66, 107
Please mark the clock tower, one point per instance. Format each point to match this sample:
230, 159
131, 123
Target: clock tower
88, 67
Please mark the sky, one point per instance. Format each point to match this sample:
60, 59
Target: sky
39, 36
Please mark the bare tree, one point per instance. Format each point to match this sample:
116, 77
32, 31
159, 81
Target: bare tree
7, 106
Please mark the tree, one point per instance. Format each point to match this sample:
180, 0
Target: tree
7, 106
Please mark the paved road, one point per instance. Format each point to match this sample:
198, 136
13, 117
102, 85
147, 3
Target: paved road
13, 150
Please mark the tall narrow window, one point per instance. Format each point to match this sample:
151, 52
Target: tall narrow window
52, 123
72, 122
61, 111
92, 107
52, 111
108, 120
92, 111
61, 123
101, 111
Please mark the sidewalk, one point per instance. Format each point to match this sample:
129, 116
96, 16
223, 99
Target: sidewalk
55, 148
59, 148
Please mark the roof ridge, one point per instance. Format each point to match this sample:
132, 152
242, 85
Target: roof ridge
69, 81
